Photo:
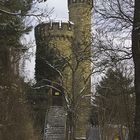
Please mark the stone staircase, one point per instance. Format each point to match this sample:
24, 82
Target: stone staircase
55, 124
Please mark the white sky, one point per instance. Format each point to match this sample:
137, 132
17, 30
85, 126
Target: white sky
60, 12
60, 8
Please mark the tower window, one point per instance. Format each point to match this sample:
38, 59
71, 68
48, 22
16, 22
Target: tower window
56, 93
57, 99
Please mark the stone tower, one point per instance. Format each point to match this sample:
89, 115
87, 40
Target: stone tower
54, 37
71, 42
80, 15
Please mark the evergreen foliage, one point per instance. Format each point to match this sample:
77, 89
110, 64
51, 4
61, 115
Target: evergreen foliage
15, 121
114, 83
115, 98
11, 26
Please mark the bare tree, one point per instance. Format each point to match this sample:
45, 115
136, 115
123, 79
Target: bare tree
113, 24
114, 15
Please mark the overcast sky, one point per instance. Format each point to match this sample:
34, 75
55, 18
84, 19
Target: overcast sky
60, 8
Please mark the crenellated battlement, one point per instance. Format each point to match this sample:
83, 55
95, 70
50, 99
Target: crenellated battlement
55, 29
58, 25
89, 2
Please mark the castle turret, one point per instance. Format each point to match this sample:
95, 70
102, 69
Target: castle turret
54, 42
52, 38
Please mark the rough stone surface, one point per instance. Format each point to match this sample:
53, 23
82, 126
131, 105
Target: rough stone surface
55, 125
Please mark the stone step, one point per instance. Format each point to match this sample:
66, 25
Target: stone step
55, 130
55, 127
55, 137
56, 116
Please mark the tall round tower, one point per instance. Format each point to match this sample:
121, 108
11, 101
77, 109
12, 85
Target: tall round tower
80, 14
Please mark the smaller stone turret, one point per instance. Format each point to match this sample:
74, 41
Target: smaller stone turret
55, 39
52, 37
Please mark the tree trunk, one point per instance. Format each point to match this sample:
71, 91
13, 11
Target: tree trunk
136, 59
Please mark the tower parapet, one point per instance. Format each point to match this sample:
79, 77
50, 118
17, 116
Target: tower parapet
55, 30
